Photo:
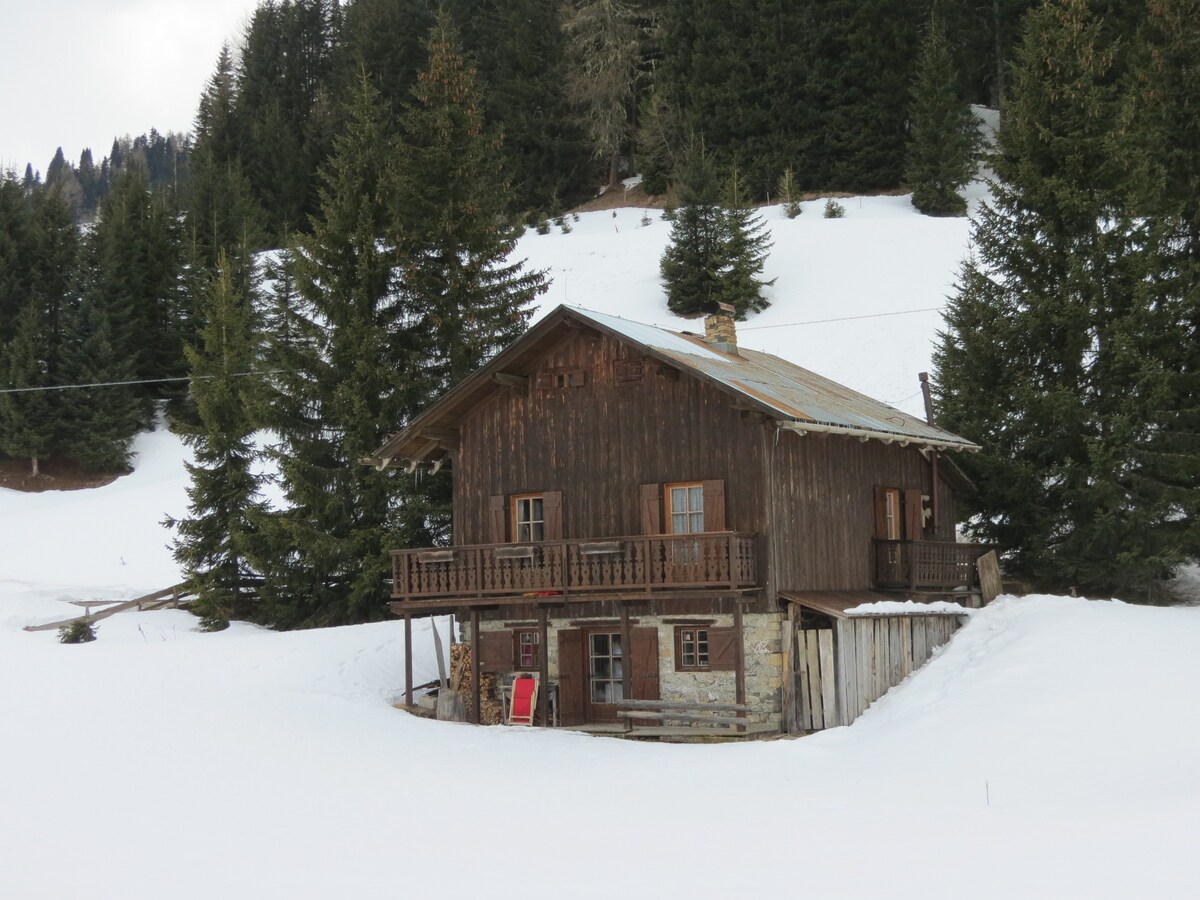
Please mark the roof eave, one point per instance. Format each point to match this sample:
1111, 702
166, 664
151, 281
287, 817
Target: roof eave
888, 437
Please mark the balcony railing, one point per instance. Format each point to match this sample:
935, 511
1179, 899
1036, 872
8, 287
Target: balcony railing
646, 564
926, 565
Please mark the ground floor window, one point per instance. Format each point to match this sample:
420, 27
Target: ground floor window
525, 650
691, 649
605, 667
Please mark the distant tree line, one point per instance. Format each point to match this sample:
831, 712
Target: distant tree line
584, 92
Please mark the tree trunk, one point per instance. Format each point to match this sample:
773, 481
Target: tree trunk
34, 465
614, 180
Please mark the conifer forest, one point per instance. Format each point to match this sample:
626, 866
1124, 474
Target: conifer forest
329, 249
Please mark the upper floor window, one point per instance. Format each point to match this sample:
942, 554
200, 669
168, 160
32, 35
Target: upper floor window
686, 505
529, 518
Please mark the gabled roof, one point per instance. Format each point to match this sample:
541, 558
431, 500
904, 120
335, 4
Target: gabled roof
795, 398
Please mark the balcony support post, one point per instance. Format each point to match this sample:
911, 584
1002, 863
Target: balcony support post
475, 673
543, 669
408, 663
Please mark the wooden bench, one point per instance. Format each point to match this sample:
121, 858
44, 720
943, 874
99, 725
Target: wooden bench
725, 716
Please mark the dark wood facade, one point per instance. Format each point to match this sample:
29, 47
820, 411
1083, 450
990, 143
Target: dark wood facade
599, 431
599, 442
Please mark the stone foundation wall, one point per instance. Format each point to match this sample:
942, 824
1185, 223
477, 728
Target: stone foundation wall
763, 659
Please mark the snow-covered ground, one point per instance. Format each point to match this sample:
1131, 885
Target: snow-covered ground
1049, 751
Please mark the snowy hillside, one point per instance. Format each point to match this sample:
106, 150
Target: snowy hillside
1049, 751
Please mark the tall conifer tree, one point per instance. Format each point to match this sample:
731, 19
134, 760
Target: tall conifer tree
944, 140
1058, 353
345, 361
214, 538
458, 232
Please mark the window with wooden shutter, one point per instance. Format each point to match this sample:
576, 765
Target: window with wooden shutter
887, 514
552, 510
529, 518
650, 506
714, 505
685, 507
526, 650
914, 516
722, 649
497, 520
495, 651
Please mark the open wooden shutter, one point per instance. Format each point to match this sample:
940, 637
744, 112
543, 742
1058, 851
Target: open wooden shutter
570, 676
714, 505
496, 651
644, 660
881, 530
722, 649
497, 520
650, 503
552, 515
914, 516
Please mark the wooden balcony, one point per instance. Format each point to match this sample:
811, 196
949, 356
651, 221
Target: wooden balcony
577, 569
926, 565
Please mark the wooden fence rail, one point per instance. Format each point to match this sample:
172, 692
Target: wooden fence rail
175, 595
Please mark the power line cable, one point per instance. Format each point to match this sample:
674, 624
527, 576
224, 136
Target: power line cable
73, 387
900, 312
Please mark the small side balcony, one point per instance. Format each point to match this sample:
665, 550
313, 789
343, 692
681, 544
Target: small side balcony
927, 565
577, 569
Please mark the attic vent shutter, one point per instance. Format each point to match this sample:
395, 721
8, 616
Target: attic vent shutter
650, 503
714, 505
497, 520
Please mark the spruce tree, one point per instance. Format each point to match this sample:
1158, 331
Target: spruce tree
747, 245
213, 539
944, 139
1059, 352
346, 362
697, 255
457, 233
717, 251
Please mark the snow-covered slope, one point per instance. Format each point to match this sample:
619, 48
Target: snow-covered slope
868, 270
1048, 751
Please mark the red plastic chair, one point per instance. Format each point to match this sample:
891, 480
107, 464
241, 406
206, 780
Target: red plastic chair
524, 700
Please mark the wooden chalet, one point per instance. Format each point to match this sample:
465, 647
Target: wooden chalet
651, 521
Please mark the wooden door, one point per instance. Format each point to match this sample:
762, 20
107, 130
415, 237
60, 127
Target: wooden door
818, 679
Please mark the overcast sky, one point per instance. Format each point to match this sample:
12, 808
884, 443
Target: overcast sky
77, 73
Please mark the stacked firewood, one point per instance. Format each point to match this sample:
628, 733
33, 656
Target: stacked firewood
491, 710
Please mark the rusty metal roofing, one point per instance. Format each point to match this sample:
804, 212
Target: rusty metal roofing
808, 400
795, 398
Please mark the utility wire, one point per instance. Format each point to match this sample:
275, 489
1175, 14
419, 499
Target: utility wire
901, 312
74, 387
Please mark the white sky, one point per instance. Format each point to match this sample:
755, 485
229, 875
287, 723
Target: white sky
77, 73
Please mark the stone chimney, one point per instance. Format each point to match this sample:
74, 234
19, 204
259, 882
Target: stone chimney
719, 330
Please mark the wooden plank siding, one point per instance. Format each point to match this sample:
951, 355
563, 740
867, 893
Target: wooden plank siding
823, 504
599, 442
876, 653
